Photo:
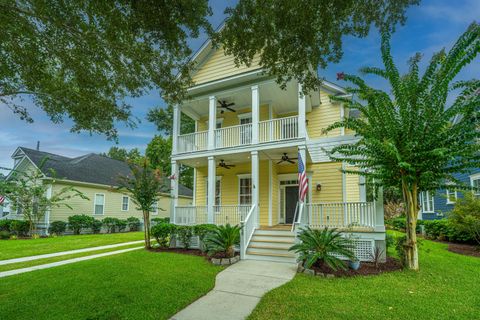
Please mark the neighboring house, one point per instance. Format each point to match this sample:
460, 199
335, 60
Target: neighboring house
436, 205
4, 205
249, 133
95, 176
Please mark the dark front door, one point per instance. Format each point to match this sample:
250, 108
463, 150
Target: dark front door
291, 199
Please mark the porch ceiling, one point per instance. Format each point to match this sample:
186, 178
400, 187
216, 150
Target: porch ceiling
244, 157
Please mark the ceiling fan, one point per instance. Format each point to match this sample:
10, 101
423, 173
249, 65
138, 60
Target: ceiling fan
285, 158
222, 164
226, 106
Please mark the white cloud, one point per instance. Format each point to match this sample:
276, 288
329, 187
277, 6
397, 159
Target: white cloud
453, 11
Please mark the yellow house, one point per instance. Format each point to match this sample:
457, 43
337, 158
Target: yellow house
249, 136
95, 176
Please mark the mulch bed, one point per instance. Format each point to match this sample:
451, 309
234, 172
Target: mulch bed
366, 269
192, 252
465, 249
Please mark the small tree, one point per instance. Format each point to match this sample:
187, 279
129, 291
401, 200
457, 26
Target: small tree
411, 139
465, 216
145, 185
28, 194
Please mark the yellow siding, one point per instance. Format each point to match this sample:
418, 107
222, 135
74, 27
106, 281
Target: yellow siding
231, 118
113, 204
330, 177
353, 187
219, 66
275, 191
322, 116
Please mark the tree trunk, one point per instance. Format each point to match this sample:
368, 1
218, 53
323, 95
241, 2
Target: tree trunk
410, 193
146, 227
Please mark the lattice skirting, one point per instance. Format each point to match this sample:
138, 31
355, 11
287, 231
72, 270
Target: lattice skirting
363, 249
194, 243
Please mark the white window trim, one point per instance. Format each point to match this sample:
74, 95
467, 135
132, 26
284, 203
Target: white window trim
244, 115
128, 203
95, 204
473, 177
219, 120
240, 177
217, 178
432, 209
155, 213
448, 193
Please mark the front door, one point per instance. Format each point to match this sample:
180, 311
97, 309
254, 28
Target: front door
291, 199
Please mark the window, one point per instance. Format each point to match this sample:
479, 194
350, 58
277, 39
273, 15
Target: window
451, 196
155, 208
475, 181
125, 202
99, 203
427, 201
218, 194
245, 190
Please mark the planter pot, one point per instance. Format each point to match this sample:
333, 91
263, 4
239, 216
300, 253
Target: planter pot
354, 265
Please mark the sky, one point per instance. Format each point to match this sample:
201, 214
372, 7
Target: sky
431, 26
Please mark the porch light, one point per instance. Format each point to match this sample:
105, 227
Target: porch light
318, 187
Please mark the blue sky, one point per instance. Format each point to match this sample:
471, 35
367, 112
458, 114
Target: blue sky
430, 27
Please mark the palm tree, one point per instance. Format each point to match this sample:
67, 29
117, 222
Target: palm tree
144, 185
411, 138
223, 239
323, 246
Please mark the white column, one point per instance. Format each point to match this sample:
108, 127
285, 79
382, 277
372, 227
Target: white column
363, 188
302, 106
342, 117
194, 201
176, 127
47, 212
379, 223
255, 184
212, 121
212, 180
255, 113
174, 178
270, 191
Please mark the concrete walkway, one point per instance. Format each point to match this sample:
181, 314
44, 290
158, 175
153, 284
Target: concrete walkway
63, 253
238, 289
63, 262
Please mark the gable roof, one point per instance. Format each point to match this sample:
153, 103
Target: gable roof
89, 168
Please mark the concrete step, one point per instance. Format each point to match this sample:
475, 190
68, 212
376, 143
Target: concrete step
285, 239
271, 244
276, 233
270, 257
269, 250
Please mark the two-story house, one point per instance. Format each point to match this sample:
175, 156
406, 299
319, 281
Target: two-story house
249, 136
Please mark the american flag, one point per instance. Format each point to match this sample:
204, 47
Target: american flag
302, 179
2, 199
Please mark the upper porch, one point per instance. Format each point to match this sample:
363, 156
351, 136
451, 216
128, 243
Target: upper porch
253, 114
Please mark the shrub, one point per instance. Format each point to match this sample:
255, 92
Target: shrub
446, 230
320, 247
133, 224
389, 240
163, 233
96, 226
4, 235
184, 234
400, 224
223, 239
79, 221
5, 225
110, 223
465, 217
121, 225
202, 230
400, 248
160, 220
20, 227
57, 227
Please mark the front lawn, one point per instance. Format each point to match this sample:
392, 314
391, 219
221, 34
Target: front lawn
447, 287
134, 285
10, 249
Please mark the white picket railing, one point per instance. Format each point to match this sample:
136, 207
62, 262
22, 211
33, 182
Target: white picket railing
278, 129
191, 215
248, 228
232, 214
341, 215
190, 142
233, 136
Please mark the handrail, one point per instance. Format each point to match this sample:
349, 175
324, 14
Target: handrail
300, 213
295, 216
247, 234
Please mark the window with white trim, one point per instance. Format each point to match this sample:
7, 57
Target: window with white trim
475, 182
451, 196
245, 190
218, 193
125, 203
427, 201
155, 208
99, 203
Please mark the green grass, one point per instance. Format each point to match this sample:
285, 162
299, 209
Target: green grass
10, 249
133, 285
446, 287
19, 265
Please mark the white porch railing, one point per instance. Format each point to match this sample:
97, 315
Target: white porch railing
233, 136
360, 215
196, 141
278, 129
191, 215
248, 228
232, 214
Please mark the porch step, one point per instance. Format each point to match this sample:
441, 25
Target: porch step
271, 245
